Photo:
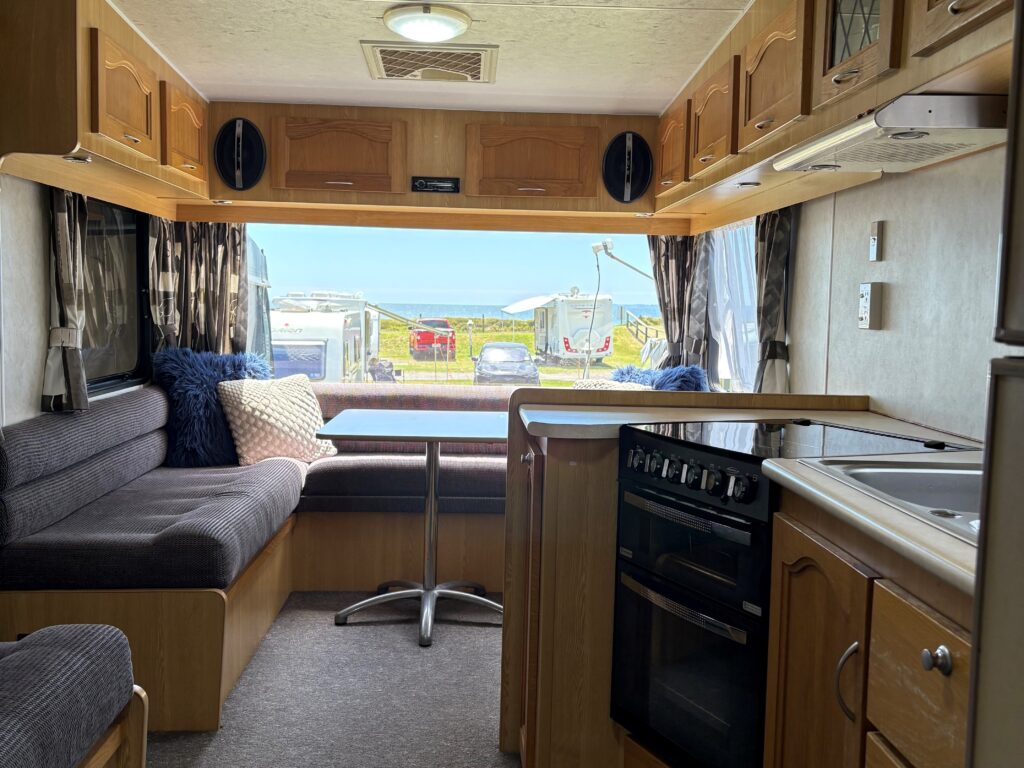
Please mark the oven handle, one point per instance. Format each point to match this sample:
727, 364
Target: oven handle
725, 532
681, 611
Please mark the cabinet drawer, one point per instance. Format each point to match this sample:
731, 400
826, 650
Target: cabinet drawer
937, 23
922, 713
183, 119
338, 155
713, 119
123, 96
522, 161
879, 754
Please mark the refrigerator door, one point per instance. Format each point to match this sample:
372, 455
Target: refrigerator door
1010, 304
995, 736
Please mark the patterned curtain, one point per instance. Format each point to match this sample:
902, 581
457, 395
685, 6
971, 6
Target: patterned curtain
774, 242
198, 285
680, 266
64, 381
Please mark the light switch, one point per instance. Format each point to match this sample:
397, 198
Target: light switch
875, 242
869, 308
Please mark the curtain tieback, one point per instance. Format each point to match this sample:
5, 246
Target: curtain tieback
66, 337
694, 345
774, 350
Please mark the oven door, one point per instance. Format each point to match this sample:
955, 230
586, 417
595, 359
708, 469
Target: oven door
688, 675
719, 555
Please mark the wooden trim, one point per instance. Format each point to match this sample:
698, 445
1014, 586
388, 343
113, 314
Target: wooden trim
124, 743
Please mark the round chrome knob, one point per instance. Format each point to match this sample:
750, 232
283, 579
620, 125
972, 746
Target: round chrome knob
716, 484
694, 476
526, 458
673, 470
743, 490
939, 659
638, 459
654, 466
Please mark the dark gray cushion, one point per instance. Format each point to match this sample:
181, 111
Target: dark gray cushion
169, 528
54, 441
60, 689
32, 506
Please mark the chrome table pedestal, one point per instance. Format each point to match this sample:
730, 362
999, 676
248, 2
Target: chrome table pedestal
429, 591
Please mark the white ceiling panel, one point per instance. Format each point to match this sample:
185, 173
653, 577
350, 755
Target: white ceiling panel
601, 56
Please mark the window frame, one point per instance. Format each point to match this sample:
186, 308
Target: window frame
143, 371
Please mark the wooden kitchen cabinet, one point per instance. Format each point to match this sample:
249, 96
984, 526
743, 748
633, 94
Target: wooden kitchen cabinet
124, 92
855, 42
671, 162
774, 84
935, 24
878, 753
713, 119
921, 712
525, 161
338, 155
635, 756
817, 652
185, 130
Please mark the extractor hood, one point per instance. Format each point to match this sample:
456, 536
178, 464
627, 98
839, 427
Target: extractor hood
911, 132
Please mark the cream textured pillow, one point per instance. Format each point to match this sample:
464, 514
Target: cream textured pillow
275, 417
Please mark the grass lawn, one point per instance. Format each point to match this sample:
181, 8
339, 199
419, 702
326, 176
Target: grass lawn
394, 346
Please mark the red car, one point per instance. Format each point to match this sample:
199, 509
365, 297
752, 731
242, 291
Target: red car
422, 341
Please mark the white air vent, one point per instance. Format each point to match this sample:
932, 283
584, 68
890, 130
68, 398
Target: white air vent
431, 62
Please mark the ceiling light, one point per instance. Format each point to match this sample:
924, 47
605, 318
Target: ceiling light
426, 23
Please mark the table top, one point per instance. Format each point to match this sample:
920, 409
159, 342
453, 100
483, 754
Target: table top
419, 426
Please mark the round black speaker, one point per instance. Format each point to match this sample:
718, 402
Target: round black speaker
240, 153
628, 167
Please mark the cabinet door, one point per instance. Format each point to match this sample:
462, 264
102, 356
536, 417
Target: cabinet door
184, 131
817, 652
855, 41
879, 753
672, 147
773, 76
713, 119
338, 155
517, 161
937, 23
534, 457
123, 96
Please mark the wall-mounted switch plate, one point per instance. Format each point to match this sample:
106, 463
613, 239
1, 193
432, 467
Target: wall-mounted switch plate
875, 242
869, 309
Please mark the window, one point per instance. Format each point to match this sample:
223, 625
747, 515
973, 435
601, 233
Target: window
732, 309
308, 357
115, 341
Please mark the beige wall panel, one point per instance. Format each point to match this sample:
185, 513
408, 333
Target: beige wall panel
809, 285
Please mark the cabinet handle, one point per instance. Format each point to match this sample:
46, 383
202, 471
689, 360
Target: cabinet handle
940, 659
955, 7
667, 182
845, 77
526, 458
705, 159
530, 189
847, 655
764, 123
188, 166
340, 183
132, 139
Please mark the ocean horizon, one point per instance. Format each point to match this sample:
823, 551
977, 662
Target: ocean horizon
493, 311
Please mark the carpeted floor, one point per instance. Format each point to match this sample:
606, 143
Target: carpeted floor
361, 696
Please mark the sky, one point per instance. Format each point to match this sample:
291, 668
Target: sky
448, 267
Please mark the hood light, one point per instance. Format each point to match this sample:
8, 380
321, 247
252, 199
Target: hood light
78, 159
425, 23
748, 184
908, 135
824, 167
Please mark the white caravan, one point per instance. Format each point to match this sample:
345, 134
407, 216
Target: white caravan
569, 326
328, 336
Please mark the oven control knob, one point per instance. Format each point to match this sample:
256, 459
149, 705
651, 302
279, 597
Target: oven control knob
694, 476
716, 483
744, 490
654, 466
671, 470
636, 460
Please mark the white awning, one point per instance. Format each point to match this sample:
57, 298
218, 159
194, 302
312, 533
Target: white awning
525, 305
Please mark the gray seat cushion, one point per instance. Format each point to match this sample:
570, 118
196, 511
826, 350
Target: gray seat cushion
169, 528
397, 482
60, 689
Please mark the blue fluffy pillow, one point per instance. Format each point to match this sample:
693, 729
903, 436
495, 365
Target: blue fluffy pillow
633, 375
197, 430
682, 378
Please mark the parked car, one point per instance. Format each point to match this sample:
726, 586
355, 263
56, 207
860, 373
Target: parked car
505, 363
422, 341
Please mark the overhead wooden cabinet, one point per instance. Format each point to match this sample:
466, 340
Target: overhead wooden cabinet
338, 155
855, 42
937, 23
774, 87
817, 652
671, 161
518, 161
123, 96
184, 121
713, 119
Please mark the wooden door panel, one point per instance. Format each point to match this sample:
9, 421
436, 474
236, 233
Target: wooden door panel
713, 119
672, 147
528, 726
818, 635
185, 129
880, 754
123, 96
935, 24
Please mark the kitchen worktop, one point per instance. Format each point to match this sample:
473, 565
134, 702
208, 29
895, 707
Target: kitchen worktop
938, 552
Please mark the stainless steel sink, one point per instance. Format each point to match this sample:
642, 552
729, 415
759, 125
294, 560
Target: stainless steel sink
947, 496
